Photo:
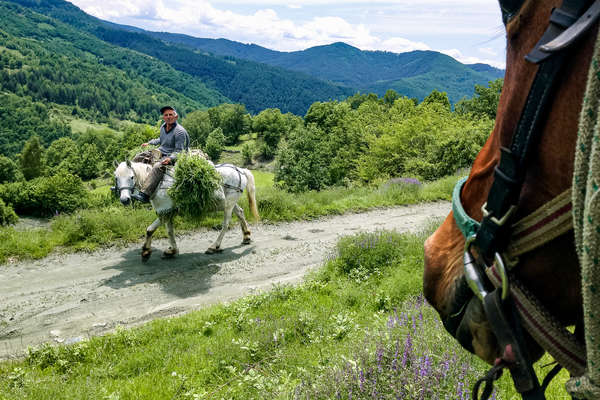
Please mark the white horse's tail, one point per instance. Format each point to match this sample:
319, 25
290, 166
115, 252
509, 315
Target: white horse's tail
251, 193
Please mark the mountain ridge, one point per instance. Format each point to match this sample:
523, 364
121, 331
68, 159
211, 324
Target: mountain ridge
347, 65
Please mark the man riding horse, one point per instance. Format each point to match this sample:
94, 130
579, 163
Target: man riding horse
173, 139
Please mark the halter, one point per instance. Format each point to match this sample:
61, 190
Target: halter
117, 189
494, 237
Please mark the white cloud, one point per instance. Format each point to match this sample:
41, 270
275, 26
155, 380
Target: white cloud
457, 55
488, 51
400, 21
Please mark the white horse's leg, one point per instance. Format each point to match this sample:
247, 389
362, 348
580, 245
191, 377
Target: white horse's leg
239, 211
147, 248
228, 209
172, 250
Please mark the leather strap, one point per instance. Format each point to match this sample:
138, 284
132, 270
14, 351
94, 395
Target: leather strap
509, 175
506, 324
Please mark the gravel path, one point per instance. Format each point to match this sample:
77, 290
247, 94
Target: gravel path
66, 298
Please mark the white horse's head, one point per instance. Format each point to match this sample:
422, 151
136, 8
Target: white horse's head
125, 181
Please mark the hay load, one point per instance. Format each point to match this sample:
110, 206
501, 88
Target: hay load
196, 181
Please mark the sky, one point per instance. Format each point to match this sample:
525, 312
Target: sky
471, 31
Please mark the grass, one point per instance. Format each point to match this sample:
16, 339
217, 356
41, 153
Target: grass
357, 328
107, 222
81, 126
290, 342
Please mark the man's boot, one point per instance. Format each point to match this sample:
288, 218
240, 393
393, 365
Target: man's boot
151, 184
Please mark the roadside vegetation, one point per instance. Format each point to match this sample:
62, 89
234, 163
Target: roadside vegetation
357, 328
342, 156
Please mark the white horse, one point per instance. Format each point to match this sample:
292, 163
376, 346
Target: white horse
131, 175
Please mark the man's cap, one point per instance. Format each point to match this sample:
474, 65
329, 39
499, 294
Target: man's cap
162, 110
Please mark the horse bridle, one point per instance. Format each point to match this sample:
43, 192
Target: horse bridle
491, 236
117, 189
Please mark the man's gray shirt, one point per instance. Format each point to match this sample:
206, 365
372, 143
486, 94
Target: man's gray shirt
172, 142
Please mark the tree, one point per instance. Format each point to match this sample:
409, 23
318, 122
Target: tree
271, 126
9, 171
198, 125
303, 160
214, 144
437, 97
233, 119
60, 151
31, 158
88, 163
390, 97
484, 102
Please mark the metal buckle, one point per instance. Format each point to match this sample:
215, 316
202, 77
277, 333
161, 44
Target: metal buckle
501, 269
474, 274
495, 220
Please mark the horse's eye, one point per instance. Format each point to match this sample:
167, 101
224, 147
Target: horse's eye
509, 9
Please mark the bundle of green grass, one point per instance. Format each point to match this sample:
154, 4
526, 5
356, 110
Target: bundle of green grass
196, 180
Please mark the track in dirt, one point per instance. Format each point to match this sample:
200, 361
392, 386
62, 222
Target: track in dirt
67, 298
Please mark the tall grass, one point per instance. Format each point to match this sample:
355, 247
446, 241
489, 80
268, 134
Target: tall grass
108, 222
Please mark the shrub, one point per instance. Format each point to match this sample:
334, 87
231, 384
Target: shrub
46, 196
214, 144
363, 254
9, 171
7, 214
247, 153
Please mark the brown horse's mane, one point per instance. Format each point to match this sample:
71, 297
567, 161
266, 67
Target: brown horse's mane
525, 14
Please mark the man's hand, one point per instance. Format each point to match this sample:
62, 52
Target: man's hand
166, 161
144, 144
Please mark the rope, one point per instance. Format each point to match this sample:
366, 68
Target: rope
586, 223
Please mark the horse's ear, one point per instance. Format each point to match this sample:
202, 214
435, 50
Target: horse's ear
128, 163
115, 163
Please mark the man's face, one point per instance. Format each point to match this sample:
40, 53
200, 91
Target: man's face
169, 116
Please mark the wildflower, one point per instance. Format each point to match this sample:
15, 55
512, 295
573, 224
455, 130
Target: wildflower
407, 350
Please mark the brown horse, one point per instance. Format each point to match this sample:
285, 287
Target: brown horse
550, 272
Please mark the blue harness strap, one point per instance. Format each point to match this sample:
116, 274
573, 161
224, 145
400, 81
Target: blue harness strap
467, 225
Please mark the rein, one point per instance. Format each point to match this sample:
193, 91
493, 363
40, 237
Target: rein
506, 302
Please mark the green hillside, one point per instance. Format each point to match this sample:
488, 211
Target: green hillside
47, 60
257, 86
368, 71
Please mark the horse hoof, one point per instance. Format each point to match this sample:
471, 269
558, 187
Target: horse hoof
246, 241
212, 250
169, 253
146, 255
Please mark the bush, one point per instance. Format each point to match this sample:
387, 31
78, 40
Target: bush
46, 196
9, 171
367, 253
214, 144
7, 214
59, 193
247, 154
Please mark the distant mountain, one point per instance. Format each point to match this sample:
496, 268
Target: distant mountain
413, 74
256, 85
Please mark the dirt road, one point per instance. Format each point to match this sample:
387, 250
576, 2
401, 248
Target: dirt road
67, 298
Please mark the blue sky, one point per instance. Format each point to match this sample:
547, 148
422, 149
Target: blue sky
468, 30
